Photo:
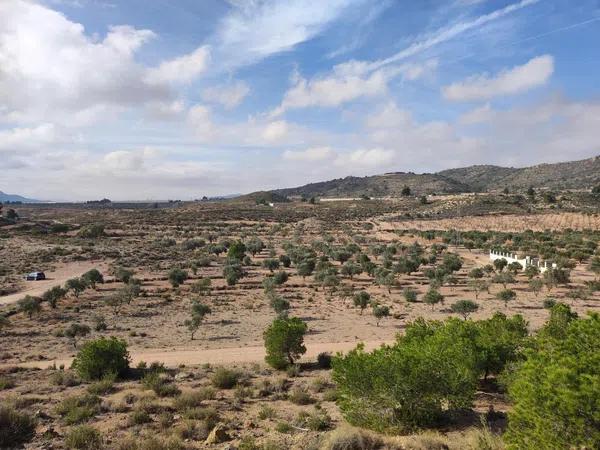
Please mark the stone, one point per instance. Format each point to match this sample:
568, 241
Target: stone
217, 435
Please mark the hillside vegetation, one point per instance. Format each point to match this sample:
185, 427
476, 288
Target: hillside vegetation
583, 174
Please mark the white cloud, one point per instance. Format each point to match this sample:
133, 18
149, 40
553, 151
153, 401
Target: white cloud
275, 131
313, 154
347, 82
254, 30
228, 95
27, 138
369, 158
389, 116
534, 73
200, 119
51, 68
182, 69
434, 144
478, 115
122, 160
165, 110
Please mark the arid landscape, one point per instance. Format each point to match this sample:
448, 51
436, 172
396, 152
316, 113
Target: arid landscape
299, 225
364, 251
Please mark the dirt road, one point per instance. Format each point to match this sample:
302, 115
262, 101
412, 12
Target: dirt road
62, 273
175, 357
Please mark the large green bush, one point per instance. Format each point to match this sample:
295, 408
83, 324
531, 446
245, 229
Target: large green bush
284, 341
100, 357
429, 372
556, 391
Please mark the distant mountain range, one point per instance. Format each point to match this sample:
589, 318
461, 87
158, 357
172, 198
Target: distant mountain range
16, 198
583, 174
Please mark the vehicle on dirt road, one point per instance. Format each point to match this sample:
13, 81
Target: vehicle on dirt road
35, 276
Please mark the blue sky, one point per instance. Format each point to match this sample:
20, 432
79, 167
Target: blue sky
155, 99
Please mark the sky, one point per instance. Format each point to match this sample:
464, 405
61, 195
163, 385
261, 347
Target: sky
177, 99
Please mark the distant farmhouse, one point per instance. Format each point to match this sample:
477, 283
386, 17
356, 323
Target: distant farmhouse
525, 262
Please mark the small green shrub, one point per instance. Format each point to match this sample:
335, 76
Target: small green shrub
104, 386
161, 385
300, 396
139, 417
6, 383
224, 378
100, 357
15, 428
64, 378
191, 399
266, 412
283, 427
192, 430
318, 420
209, 416
150, 443
330, 395
83, 438
78, 408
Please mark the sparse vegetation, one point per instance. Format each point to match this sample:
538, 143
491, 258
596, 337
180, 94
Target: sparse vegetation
323, 263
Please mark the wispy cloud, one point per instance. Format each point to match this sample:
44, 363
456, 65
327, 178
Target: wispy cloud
445, 34
255, 30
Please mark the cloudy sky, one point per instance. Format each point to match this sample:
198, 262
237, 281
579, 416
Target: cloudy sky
157, 99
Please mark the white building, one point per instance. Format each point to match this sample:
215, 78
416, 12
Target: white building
525, 262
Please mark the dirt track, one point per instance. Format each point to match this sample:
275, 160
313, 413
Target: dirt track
175, 357
57, 277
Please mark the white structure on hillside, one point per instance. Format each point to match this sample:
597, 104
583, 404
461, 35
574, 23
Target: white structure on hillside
525, 262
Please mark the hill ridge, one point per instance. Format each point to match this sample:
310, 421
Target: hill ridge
580, 174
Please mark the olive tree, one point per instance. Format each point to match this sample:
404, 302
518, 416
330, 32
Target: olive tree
362, 300
76, 285
92, 277
464, 308
379, 312
53, 295
29, 305
75, 331
177, 277
197, 313
506, 295
433, 297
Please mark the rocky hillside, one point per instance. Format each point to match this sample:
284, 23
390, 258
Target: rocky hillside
583, 174
389, 184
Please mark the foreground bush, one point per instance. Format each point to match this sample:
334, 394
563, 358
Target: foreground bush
83, 438
430, 372
101, 357
15, 428
556, 391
